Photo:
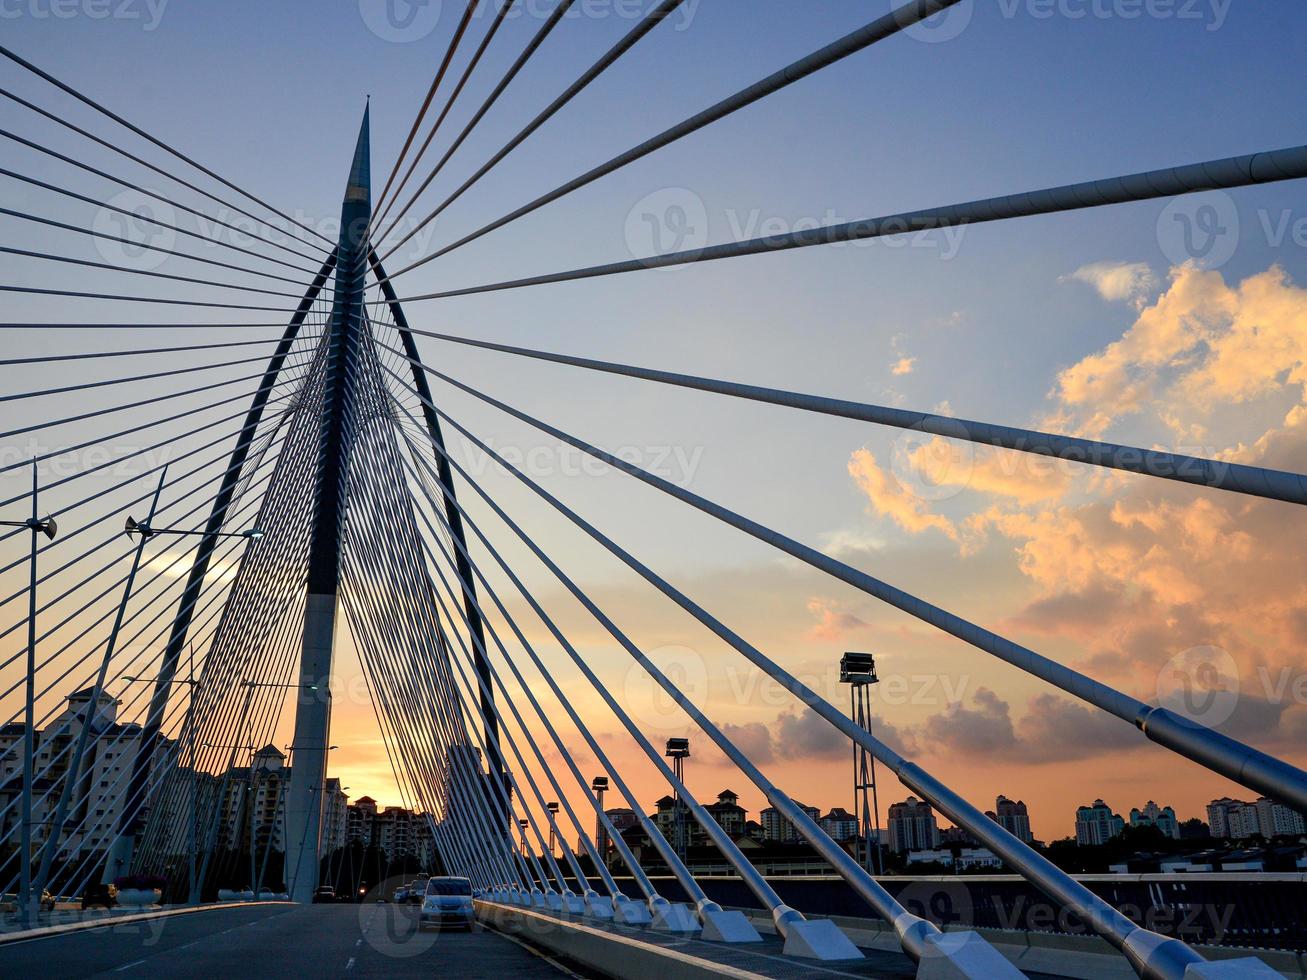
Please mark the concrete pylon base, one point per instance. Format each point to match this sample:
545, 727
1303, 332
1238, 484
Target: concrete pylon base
631, 914
819, 939
676, 917
599, 907
963, 956
1230, 970
554, 902
721, 926
540, 901
574, 905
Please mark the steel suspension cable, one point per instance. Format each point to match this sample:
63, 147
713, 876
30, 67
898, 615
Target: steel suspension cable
532, 46
150, 220
1235, 477
1137, 943
68, 89
884, 27
145, 246
650, 20
121, 182
1200, 744
459, 30
1267, 167
144, 163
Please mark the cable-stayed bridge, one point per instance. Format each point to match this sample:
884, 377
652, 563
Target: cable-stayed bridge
311, 499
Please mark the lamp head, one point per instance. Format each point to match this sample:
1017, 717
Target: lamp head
858, 668
133, 527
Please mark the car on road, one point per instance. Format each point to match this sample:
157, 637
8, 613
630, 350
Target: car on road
447, 902
400, 895
326, 895
105, 896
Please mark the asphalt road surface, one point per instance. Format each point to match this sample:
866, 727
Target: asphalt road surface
282, 941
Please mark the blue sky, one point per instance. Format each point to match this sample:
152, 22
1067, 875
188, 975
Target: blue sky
1028, 94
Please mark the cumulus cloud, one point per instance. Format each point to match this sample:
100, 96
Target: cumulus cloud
804, 734
1146, 570
799, 735
1133, 573
1119, 282
889, 498
1023, 477
1052, 729
904, 365
1203, 343
833, 623
940, 468
753, 739
982, 730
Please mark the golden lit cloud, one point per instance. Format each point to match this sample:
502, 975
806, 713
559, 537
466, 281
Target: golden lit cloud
889, 498
904, 365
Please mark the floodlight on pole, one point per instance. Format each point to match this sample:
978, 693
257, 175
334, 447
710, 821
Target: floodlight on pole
599, 785
858, 670
678, 750
27, 896
553, 812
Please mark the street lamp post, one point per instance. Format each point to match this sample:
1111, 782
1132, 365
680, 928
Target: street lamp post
146, 530
27, 899
74, 774
678, 750
600, 786
858, 670
192, 834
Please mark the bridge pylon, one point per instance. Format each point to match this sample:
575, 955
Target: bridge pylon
338, 424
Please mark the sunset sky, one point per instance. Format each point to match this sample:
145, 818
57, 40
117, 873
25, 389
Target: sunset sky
1182, 326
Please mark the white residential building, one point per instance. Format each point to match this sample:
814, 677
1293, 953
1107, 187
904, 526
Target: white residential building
912, 826
1161, 817
1097, 824
100, 798
1236, 819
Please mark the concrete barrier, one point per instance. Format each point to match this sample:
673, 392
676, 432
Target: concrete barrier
1059, 954
606, 952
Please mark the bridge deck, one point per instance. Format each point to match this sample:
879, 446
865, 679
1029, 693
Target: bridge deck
281, 941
